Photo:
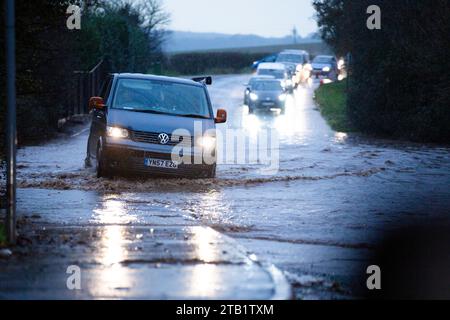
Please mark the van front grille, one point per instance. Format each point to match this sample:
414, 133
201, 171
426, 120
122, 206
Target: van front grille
152, 138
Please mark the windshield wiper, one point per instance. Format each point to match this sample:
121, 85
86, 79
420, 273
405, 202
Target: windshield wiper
146, 111
166, 113
193, 116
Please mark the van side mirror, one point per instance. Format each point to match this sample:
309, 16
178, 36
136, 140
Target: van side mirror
205, 80
221, 116
96, 103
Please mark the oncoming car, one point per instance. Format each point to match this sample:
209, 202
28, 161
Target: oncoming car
277, 71
325, 66
267, 95
297, 62
271, 58
249, 85
155, 125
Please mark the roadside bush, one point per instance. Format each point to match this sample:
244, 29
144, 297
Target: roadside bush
45, 61
399, 85
119, 33
47, 54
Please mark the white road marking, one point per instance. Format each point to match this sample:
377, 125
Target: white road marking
79, 133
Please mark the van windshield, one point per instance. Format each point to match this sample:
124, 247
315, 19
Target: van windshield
322, 59
291, 58
267, 86
161, 97
277, 74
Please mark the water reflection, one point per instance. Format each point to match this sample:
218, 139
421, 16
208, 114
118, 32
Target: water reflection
113, 276
211, 209
113, 211
252, 124
205, 280
113, 248
340, 137
291, 126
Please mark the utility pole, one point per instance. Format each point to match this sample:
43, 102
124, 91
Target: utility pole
294, 34
11, 121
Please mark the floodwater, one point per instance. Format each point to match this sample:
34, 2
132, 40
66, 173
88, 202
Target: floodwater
316, 217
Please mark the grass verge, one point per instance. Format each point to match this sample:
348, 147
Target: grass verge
332, 101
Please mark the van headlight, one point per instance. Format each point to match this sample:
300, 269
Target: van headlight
115, 132
253, 96
326, 69
282, 97
208, 143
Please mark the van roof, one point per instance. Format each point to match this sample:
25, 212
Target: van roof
259, 77
294, 51
272, 65
154, 77
324, 56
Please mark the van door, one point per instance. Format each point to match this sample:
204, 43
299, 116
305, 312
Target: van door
98, 125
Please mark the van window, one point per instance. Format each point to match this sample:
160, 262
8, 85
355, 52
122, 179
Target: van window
106, 88
162, 97
291, 58
277, 74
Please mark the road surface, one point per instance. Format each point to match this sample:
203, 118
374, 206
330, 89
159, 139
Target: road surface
317, 218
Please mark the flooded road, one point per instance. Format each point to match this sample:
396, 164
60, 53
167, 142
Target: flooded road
316, 218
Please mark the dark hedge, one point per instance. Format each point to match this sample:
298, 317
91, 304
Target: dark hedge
400, 83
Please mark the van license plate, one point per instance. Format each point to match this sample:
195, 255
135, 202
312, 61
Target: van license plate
157, 163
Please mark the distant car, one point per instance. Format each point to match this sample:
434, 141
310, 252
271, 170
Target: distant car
141, 123
278, 71
298, 64
249, 85
271, 58
267, 95
325, 66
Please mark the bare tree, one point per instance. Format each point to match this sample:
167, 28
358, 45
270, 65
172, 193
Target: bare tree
153, 18
154, 21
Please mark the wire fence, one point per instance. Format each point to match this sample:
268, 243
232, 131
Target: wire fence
88, 84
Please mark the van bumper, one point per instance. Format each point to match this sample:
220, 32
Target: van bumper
127, 159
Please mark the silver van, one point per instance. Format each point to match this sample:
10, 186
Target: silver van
147, 124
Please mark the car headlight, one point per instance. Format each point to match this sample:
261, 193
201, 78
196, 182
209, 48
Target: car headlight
326, 69
282, 97
253, 96
208, 143
288, 83
115, 132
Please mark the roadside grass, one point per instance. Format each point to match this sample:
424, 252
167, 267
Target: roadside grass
332, 101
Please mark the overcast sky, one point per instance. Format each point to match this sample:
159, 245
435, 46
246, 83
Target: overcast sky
262, 17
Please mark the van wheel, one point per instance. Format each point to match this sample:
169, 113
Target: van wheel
87, 162
211, 173
102, 169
